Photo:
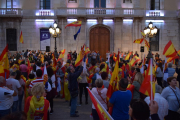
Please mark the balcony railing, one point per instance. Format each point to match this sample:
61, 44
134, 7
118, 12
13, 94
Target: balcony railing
45, 13
10, 11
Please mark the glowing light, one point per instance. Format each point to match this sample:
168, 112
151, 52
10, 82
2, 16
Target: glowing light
127, 20
107, 20
71, 20
159, 21
44, 20
91, 20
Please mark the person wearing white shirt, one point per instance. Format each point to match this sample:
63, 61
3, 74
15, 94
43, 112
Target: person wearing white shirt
172, 94
100, 94
16, 87
162, 103
6, 98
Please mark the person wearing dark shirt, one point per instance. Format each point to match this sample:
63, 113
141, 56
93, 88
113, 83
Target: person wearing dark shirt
73, 74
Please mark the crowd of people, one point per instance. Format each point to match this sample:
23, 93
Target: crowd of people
29, 84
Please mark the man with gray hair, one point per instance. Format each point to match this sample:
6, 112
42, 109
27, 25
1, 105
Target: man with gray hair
170, 71
11, 81
6, 99
162, 103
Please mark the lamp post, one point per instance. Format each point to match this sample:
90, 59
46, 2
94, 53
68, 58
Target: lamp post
150, 32
55, 31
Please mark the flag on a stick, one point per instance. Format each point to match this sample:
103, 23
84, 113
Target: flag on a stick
148, 86
169, 50
139, 41
21, 38
128, 56
134, 60
4, 63
75, 24
75, 36
80, 56
61, 54
102, 112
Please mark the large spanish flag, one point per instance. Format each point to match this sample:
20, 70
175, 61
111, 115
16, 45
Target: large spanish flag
169, 50
21, 38
128, 56
61, 54
142, 33
139, 41
76, 24
4, 63
134, 60
80, 56
148, 86
172, 59
102, 112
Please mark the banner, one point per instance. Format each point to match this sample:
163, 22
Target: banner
44, 38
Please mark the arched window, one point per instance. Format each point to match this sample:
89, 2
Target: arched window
45, 4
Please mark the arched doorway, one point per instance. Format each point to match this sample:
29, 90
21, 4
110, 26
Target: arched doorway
100, 40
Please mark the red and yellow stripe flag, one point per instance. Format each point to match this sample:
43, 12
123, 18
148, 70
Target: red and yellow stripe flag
142, 33
134, 60
178, 52
80, 56
61, 55
76, 24
128, 56
169, 50
54, 60
21, 38
172, 59
4, 63
146, 44
148, 86
139, 41
102, 112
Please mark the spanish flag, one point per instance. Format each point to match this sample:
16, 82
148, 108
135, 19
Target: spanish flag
21, 38
134, 60
54, 60
139, 41
87, 50
169, 50
102, 112
75, 24
178, 52
4, 63
128, 56
80, 56
114, 81
146, 44
62, 54
148, 86
172, 59
42, 58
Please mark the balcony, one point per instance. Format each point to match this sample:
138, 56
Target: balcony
11, 12
100, 12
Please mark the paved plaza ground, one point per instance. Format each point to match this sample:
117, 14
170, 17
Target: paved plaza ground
62, 110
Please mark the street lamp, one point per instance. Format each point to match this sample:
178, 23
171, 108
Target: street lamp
55, 31
150, 32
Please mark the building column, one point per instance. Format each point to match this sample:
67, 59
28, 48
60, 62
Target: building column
118, 4
118, 34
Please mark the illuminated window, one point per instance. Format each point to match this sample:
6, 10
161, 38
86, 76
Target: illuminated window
45, 4
11, 3
72, 1
155, 5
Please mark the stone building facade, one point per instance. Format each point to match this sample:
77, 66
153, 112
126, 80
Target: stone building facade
123, 19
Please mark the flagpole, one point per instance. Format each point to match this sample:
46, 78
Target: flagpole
151, 79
